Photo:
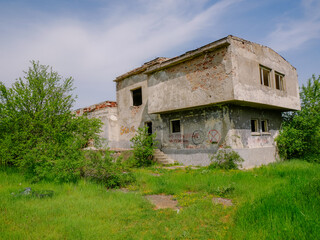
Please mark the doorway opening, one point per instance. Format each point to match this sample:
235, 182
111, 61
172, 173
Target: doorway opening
149, 125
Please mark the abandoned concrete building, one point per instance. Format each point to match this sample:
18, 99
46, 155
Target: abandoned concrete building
230, 92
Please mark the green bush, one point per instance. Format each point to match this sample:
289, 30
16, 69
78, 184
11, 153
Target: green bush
226, 158
101, 167
143, 147
38, 132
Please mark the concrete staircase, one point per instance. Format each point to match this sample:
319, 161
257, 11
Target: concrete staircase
162, 158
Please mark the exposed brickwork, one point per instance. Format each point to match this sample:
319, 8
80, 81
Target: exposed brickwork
205, 72
98, 106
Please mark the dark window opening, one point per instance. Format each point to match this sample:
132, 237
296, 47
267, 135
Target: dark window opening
175, 126
279, 81
254, 125
265, 76
137, 97
264, 125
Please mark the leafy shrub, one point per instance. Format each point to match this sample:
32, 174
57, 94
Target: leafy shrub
143, 147
101, 167
38, 132
226, 158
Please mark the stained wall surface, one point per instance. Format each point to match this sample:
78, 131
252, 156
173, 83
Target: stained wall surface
200, 81
204, 131
107, 112
215, 91
247, 57
131, 117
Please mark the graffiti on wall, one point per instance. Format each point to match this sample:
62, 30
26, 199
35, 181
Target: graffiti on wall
214, 136
126, 130
178, 138
196, 138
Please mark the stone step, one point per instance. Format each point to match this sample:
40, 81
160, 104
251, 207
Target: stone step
165, 162
161, 157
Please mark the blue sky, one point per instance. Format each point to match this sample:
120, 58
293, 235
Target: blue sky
95, 41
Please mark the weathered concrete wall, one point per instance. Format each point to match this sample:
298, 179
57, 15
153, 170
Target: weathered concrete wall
131, 117
204, 131
246, 60
200, 81
107, 112
230, 73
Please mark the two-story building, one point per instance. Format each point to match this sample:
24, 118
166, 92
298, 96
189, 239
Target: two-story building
228, 93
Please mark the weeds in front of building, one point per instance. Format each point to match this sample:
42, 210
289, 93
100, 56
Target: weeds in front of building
143, 148
278, 201
226, 158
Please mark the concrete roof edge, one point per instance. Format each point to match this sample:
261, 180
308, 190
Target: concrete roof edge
189, 55
141, 68
153, 65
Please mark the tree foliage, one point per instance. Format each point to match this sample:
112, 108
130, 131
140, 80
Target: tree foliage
300, 134
38, 132
143, 147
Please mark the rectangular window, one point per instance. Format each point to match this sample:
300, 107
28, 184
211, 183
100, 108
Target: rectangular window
254, 125
175, 126
279, 81
136, 97
265, 76
264, 126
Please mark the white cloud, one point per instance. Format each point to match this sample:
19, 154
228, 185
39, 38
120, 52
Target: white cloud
294, 32
95, 53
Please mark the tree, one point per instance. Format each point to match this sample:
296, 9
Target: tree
143, 147
38, 132
300, 134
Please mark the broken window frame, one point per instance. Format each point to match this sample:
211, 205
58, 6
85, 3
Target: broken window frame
279, 81
254, 123
264, 126
172, 128
262, 77
136, 99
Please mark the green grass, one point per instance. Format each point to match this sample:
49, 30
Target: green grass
279, 201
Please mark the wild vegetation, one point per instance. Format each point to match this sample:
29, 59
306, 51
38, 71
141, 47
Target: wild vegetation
300, 134
143, 145
278, 201
226, 158
40, 135
104, 168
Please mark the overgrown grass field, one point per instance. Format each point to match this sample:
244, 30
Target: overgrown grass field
279, 201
